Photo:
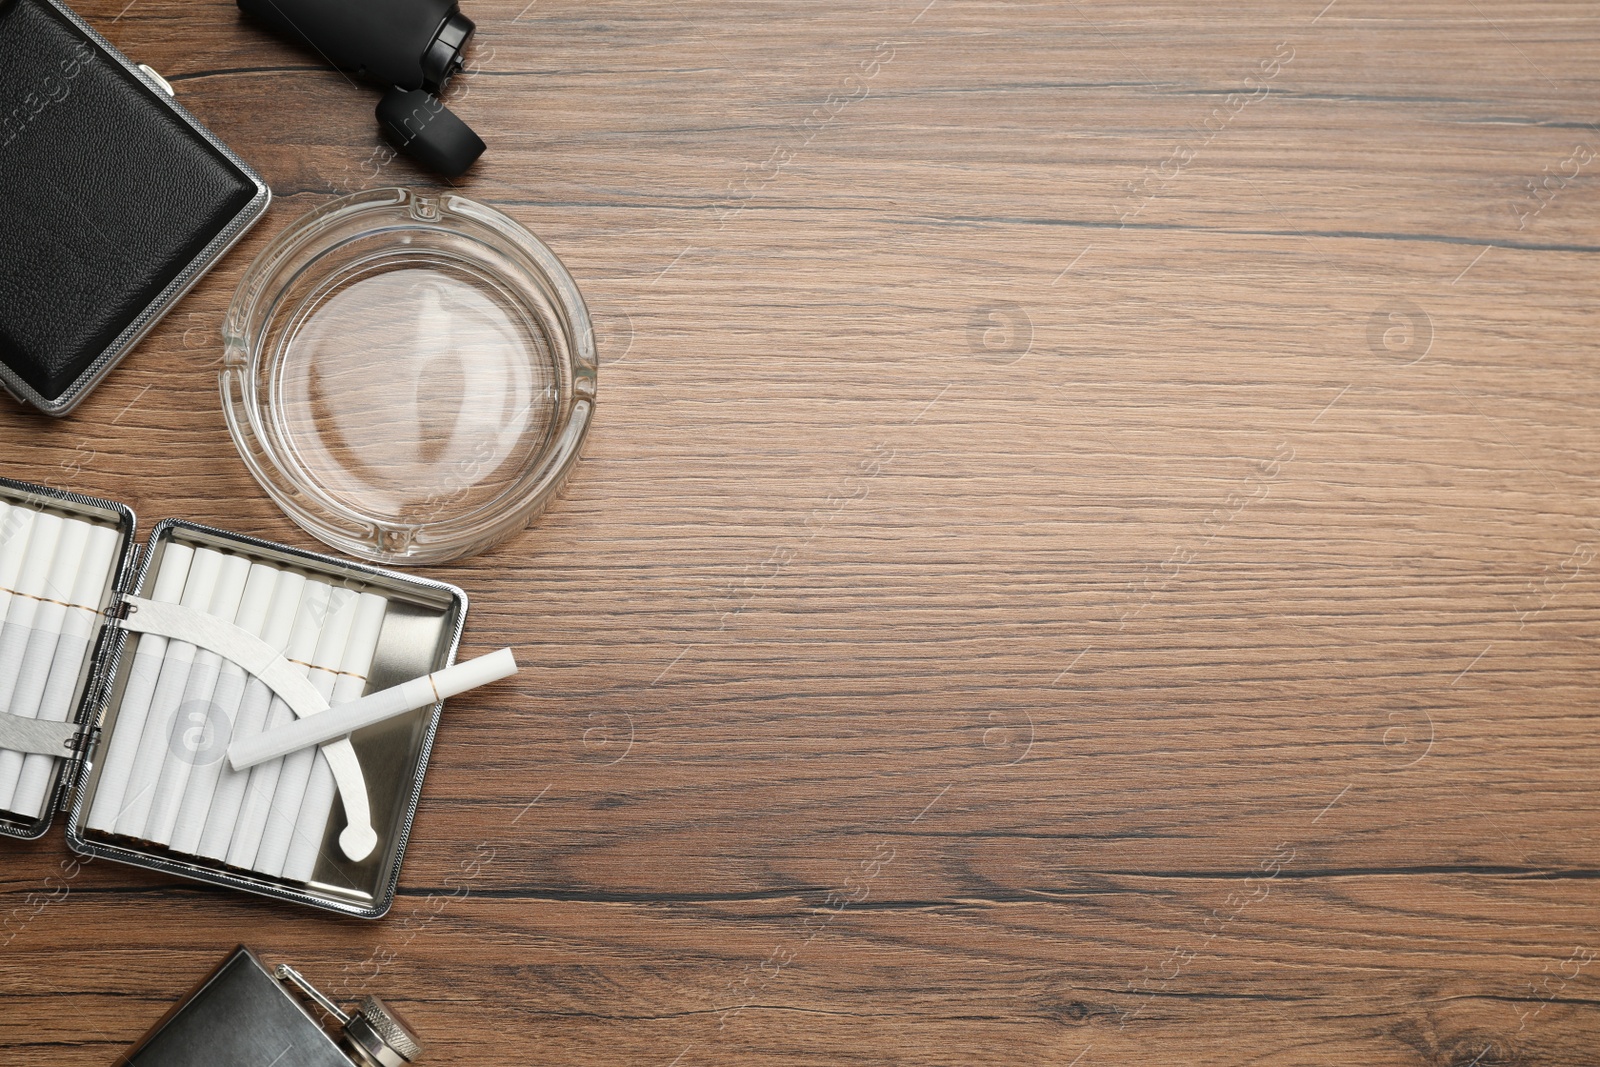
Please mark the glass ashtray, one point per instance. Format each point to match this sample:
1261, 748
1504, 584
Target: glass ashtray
410, 377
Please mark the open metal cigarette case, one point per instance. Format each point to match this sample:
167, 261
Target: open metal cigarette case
421, 632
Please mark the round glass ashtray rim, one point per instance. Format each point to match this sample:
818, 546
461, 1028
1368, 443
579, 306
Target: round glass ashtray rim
254, 309
270, 370
283, 266
299, 475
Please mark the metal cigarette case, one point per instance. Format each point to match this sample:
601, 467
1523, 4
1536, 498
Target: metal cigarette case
421, 633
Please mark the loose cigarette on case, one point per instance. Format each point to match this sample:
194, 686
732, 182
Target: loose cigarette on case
344, 719
54, 574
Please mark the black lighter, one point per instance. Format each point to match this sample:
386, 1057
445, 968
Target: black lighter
244, 1016
409, 47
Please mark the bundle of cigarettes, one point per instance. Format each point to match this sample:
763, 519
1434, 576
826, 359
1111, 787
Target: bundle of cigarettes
55, 573
164, 777
225, 725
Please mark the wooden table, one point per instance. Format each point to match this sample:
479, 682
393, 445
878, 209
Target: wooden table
1087, 556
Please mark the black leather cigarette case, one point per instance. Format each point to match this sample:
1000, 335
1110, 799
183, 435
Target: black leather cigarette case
114, 201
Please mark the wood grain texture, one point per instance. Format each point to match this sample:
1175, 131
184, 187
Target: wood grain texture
1087, 553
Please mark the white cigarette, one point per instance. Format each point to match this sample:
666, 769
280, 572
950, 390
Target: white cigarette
17, 536
231, 784
343, 719
310, 616
135, 809
14, 525
66, 671
190, 717
16, 530
123, 744
317, 805
33, 622
16, 522
50, 615
28, 584
218, 726
277, 835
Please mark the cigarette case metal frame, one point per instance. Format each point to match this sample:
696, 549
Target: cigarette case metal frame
421, 635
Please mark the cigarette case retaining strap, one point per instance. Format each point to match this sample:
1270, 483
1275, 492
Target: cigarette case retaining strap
36, 735
260, 659
230, 642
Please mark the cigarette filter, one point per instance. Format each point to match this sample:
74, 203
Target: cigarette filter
342, 719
